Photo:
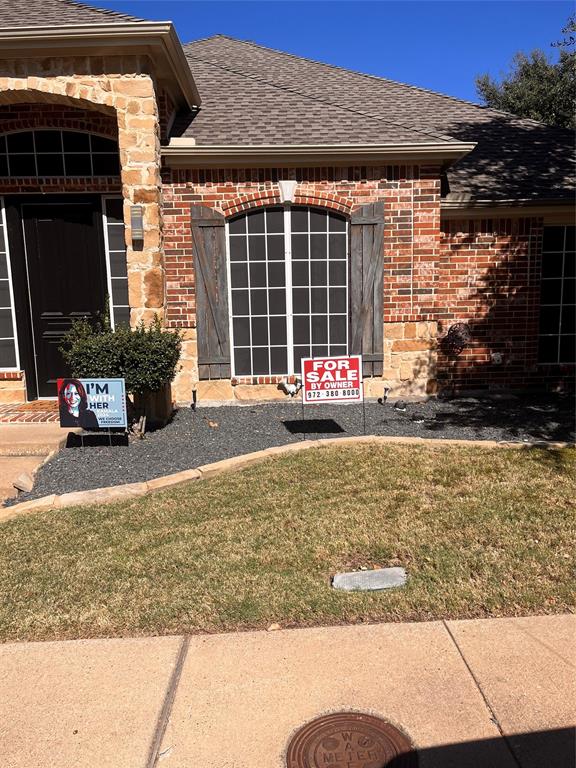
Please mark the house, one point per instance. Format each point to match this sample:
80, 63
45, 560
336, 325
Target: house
272, 208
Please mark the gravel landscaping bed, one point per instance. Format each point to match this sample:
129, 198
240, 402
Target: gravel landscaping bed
206, 435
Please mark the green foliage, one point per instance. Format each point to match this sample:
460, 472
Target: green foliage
537, 87
146, 357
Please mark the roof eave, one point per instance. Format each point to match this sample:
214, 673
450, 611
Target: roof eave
187, 154
92, 38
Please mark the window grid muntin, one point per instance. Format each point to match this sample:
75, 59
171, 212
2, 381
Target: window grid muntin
119, 311
91, 153
558, 335
7, 282
288, 314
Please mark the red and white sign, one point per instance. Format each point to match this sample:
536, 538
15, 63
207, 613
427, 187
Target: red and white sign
337, 379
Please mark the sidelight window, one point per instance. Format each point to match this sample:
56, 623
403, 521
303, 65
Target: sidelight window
558, 296
288, 288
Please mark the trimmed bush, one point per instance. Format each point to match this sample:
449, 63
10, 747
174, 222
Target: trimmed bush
146, 357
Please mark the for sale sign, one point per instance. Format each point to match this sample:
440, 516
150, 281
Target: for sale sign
337, 379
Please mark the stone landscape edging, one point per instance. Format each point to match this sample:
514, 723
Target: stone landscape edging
114, 493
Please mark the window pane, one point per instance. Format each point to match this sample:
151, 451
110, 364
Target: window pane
299, 247
299, 219
255, 222
318, 272
239, 275
259, 305
338, 300
3, 263
22, 165
238, 249
120, 292
548, 349
568, 349
257, 248
7, 353
116, 238
338, 351
318, 246
320, 351
242, 362
237, 226
551, 291
301, 300
260, 364
257, 275
5, 296
570, 238
240, 302
118, 267
78, 165
553, 239
114, 210
276, 248
278, 330
260, 331
276, 274
552, 264
3, 165
48, 141
318, 221
275, 220
241, 329
569, 292
549, 319
100, 144
76, 142
568, 319
338, 329
277, 301
278, 360
336, 223
319, 300
6, 329
337, 272
301, 330
570, 264
106, 165
337, 246
122, 317
300, 273
299, 353
20, 142
319, 329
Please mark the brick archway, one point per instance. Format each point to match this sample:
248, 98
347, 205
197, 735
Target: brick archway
131, 99
244, 203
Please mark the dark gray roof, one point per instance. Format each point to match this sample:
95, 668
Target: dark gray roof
41, 13
254, 95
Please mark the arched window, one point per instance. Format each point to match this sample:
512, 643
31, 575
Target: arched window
288, 288
51, 152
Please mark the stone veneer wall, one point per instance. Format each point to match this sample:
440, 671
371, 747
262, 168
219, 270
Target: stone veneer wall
411, 252
120, 89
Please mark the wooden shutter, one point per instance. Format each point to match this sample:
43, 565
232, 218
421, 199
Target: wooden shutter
367, 286
212, 318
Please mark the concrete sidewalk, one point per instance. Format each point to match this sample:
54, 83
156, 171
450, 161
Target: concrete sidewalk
495, 693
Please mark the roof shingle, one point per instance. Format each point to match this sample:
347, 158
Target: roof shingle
256, 95
43, 13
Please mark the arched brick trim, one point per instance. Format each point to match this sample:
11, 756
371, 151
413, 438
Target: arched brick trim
271, 197
32, 116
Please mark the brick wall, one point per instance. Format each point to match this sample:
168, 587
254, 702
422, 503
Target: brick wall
489, 278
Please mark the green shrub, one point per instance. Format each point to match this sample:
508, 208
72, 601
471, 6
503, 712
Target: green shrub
146, 357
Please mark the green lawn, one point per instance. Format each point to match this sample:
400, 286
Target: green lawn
481, 533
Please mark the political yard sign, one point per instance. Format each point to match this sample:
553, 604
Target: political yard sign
334, 379
92, 403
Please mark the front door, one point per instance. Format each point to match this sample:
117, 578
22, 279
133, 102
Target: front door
66, 276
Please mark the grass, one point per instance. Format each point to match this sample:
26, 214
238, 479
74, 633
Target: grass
481, 533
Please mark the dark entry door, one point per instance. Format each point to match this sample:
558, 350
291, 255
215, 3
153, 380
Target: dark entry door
66, 271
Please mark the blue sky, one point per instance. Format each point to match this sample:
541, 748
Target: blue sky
436, 45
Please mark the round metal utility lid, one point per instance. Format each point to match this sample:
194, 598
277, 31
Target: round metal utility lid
347, 739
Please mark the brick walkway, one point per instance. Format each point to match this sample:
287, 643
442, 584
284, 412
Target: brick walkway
36, 412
